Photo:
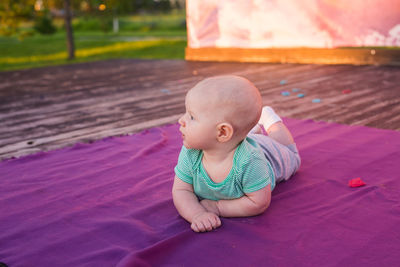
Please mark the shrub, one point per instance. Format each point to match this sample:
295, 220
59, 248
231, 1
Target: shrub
44, 24
93, 24
86, 24
106, 24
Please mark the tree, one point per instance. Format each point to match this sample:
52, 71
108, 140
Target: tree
68, 29
13, 12
66, 5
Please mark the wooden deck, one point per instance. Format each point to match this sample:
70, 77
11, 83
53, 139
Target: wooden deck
52, 107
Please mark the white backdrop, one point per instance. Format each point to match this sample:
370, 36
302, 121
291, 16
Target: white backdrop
293, 23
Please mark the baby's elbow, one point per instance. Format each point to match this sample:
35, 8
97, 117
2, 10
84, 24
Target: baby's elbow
261, 207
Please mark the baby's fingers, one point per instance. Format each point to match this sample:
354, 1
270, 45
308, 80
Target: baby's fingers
208, 225
208, 222
212, 223
216, 222
194, 227
198, 227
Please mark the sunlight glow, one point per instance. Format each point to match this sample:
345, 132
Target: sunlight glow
82, 53
38, 5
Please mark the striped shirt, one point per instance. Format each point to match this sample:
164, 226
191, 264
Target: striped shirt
251, 171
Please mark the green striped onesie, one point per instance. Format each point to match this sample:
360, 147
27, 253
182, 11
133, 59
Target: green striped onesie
251, 171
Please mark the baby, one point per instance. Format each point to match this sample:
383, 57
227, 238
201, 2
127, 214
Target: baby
227, 167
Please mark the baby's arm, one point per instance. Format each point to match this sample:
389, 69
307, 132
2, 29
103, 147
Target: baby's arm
190, 208
250, 204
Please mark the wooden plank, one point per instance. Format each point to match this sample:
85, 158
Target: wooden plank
356, 56
63, 139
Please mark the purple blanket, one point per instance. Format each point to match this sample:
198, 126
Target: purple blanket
109, 203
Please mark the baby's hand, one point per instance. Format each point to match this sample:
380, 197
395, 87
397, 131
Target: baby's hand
205, 221
210, 206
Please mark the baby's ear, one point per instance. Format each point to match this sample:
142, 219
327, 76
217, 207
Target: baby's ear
224, 132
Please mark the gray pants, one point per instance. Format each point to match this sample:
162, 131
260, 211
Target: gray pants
285, 160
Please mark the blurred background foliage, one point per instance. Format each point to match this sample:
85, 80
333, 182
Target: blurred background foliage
32, 32
93, 13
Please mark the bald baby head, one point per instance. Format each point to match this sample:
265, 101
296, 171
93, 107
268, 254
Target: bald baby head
231, 99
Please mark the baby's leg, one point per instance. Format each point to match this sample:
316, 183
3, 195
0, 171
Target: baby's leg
274, 126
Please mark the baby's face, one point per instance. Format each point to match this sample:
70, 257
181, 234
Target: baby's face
199, 123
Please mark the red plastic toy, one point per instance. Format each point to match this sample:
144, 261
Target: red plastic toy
356, 182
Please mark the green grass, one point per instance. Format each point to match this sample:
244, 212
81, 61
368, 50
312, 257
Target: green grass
149, 37
51, 50
143, 23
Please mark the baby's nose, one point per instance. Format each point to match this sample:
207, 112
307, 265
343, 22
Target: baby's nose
181, 121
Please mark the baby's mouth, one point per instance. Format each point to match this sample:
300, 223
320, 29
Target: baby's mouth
183, 135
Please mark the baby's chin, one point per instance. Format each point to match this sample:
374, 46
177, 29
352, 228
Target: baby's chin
188, 146
185, 143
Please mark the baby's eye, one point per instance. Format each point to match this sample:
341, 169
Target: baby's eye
191, 117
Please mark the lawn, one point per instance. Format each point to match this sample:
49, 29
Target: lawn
150, 37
